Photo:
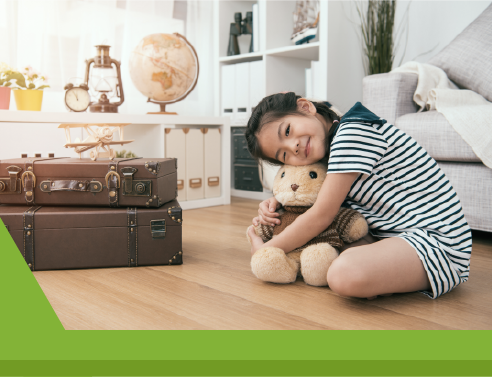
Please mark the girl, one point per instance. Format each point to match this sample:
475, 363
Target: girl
379, 171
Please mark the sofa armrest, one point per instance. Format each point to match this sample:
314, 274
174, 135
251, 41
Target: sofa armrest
390, 95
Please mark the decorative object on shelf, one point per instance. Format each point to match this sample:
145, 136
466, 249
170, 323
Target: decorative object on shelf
377, 27
77, 97
7, 74
306, 19
104, 81
124, 154
234, 32
240, 27
28, 89
101, 137
164, 68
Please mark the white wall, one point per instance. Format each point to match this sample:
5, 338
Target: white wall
432, 25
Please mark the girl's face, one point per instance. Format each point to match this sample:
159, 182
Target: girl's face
295, 139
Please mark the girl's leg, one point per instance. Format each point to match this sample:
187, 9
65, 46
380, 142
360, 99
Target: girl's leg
387, 266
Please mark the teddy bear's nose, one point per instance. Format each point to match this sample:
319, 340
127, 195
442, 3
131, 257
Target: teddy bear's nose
294, 187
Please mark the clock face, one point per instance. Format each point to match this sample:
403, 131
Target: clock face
77, 99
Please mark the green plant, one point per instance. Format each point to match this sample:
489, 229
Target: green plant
33, 80
7, 74
377, 26
124, 154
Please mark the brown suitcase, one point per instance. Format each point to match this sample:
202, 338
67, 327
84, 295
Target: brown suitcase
136, 182
53, 238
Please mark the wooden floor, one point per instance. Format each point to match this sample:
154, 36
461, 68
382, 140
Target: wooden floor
215, 289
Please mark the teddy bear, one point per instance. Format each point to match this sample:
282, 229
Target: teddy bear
296, 188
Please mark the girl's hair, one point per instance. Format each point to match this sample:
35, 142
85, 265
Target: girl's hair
275, 107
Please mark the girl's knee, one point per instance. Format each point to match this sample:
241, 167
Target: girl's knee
346, 278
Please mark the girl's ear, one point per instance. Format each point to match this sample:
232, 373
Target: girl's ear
306, 105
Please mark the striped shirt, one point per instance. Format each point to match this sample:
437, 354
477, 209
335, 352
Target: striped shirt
401, 191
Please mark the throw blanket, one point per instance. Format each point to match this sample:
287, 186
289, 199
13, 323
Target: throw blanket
468, 112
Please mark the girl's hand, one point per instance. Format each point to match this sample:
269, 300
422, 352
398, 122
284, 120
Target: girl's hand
256, 241
267, 214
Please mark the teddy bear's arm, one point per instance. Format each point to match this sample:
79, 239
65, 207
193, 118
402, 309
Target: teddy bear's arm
264, 231
350, 225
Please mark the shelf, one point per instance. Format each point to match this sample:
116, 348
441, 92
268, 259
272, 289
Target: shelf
307, 51
249, 57
17, 116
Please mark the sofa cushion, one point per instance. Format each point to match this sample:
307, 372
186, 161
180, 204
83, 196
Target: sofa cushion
473, 184
433, 132
467, 60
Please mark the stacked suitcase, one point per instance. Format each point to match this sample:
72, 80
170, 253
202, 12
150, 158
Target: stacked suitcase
67, 213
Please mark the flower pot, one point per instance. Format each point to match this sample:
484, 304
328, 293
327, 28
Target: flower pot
29, 99
4, 97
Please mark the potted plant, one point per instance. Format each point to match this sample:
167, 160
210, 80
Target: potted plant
29, 93
7, 74
377, 26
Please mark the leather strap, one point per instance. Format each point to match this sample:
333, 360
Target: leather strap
29, 236
28, 182
132, 237
113, 184
71, 185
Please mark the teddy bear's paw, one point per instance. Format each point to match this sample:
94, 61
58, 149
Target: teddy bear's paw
358, 229
272, 265
247, 235
315, 261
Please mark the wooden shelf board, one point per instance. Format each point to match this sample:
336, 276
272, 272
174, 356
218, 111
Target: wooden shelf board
18, 116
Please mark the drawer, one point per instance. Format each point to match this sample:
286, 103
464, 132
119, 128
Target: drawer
240, 149
247, 178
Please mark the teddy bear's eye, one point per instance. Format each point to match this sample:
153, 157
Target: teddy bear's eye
313, 175
283, 175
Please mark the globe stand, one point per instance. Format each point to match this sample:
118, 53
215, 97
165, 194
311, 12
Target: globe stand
163, 108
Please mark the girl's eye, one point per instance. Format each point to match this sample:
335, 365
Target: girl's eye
283, 175
313, 175
287, 131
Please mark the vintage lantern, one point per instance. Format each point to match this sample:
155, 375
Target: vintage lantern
105, 81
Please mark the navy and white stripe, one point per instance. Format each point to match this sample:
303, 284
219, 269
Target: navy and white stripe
402, 192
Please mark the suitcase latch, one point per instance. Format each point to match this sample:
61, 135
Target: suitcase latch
128, 178
158, 229
13, 171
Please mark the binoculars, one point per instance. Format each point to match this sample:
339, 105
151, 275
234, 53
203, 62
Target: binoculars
240, 27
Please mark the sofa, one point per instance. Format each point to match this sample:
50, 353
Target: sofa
467, 61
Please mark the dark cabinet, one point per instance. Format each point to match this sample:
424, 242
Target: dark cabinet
245, 169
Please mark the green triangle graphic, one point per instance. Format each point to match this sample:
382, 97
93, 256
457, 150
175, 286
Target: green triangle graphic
25, 308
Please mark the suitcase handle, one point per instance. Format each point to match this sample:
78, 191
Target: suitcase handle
213, 181
195, 182
50, 186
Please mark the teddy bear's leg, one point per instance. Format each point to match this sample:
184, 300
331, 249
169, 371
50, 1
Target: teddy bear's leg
351, 225
271, 264
315, 261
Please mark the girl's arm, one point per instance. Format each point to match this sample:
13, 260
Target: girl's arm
316, 219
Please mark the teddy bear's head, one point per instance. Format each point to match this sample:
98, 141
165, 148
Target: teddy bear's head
299, 185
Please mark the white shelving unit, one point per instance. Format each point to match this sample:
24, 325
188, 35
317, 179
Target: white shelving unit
284, 64
148, 131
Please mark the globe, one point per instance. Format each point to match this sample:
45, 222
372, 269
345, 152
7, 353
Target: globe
164, 68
